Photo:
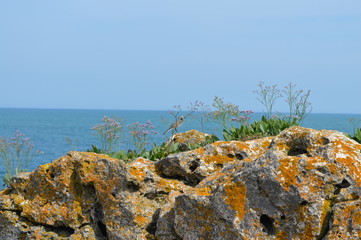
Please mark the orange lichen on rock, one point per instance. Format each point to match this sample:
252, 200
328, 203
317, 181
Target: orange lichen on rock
346, 222
288, 172
218, 159
200, 151
236, 198
200, 191
139, 167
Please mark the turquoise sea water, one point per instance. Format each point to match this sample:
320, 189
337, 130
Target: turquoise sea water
48, 128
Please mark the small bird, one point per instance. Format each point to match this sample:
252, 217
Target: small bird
175, 125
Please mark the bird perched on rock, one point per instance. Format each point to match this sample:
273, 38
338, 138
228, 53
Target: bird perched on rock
175, 125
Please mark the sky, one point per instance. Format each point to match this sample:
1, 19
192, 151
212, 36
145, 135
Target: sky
152, 55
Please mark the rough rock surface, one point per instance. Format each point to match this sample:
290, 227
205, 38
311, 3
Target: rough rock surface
301, 184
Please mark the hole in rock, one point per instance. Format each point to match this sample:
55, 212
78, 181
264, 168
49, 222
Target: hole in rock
241, 155
355, 196
322, 170
230, 155
304, 203
343, 184
193, 179
295, 151
339, 186
325, 141
283, 217
153, 195
52, 175
132, 187
194, 165
148, 180
102, 228
267, 222
63, 231
219, 165
152, 227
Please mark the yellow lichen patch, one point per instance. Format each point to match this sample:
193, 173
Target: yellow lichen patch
307, 219
217, 176
192, 135
236, 198
288, 171
87, 167
200, 151
314, 162
141, 220
266, 142
200, 191
218, 159
282, 147
138, 173
281, 235
169, 185
346, 147
353, 168
346, 221
356, 218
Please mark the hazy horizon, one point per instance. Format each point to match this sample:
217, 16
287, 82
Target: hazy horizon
155, 110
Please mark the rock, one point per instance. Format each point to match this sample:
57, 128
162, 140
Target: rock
193, 166
85, 196
301, 184
187, 139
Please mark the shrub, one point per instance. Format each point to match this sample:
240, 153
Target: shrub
263, 128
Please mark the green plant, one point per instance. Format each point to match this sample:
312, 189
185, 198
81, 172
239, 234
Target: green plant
159, 152
357, 135
109, 132
264, 127
209, 139
16, 153
268, 95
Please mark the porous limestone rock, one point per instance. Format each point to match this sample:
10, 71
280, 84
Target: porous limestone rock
301, 184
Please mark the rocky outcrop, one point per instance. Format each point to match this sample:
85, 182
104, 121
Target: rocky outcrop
188, 139
301, 184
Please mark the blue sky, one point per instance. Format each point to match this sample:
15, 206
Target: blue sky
152, 55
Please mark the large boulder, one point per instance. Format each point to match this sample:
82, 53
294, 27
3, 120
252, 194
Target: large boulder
301, 184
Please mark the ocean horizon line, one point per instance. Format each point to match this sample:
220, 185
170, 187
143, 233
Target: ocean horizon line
145, 110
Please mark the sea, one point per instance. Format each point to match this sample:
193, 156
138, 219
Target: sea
55, 132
